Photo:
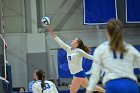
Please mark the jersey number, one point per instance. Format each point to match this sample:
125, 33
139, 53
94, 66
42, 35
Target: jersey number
47, 86
69, 57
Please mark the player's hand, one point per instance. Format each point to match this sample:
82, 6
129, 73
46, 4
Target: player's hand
88, 91
51, 32
49, 28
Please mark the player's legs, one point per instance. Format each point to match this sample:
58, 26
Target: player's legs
84, 84
77, 80
100, 89
75, 85
81, 80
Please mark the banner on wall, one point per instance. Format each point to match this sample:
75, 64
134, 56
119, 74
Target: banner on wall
99, 11
132, 11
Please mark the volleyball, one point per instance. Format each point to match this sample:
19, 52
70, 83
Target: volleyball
46, 21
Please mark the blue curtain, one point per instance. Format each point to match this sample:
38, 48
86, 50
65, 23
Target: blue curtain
133, 11
137, 47
99, 11
63, 70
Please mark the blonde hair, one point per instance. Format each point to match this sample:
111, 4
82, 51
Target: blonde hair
115, 30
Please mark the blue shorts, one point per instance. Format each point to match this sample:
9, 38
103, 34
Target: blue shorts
80, 74
122, 85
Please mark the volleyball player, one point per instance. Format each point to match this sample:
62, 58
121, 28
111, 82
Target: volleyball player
75, 53
117, 59
32, 82
42, 85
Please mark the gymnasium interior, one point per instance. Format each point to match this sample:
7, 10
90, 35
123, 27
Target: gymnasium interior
26, 46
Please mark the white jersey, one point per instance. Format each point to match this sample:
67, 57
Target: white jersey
114, 67
74, 57
49, 87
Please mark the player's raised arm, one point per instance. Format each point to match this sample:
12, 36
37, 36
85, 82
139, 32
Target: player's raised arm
57, 39
51, 32
136, 56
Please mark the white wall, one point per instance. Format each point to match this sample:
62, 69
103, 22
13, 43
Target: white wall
67, 15
36, 43
14, 16
16, 56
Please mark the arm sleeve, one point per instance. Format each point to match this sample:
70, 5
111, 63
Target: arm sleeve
30, 87
86, 55
136, 57
95, 76
55, 89
62, 44
34, 89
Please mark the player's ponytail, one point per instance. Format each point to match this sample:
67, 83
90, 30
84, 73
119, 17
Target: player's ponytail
42, 82
115, 31
41, 76
82, 46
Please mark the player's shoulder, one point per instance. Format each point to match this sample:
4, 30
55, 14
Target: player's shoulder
35, 84
104, 45
31, 82
131, 49
128, 46
49, 82
38, 83
78, 50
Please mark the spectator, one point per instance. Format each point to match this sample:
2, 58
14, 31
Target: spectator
22, 89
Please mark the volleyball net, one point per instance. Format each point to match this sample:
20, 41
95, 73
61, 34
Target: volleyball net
4, 81
3, 59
